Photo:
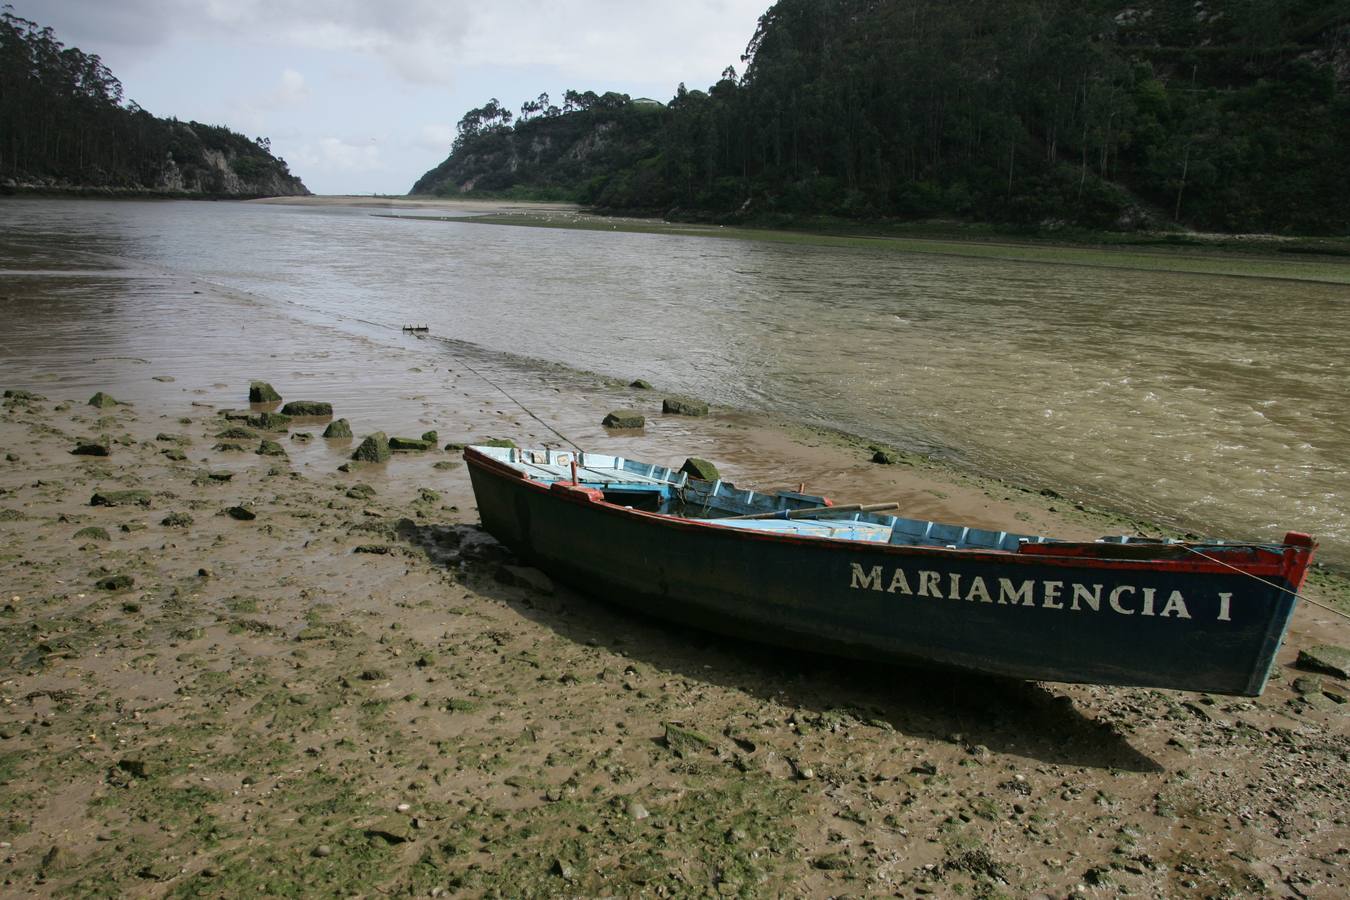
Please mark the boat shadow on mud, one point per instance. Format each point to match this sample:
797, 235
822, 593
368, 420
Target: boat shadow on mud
976, 711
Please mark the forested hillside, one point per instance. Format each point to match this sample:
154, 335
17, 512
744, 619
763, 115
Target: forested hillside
1230, 115
63, 126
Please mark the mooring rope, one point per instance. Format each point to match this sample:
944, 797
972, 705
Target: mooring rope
1295, 594
459, 359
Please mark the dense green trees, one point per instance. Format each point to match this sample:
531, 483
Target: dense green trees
63, 123
1225, 114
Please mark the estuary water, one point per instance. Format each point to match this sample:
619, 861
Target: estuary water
1220, 404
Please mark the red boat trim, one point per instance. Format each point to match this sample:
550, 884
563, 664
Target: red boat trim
1289, 564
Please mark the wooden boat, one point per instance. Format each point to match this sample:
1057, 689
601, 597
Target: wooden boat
1205, 616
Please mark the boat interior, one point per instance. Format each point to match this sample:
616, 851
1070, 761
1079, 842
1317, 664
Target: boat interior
653, 488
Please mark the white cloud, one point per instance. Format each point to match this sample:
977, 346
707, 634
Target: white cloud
437, 138
291, 89
332, 155
424, 41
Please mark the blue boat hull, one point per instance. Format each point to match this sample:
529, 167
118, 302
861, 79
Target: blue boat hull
1049, 615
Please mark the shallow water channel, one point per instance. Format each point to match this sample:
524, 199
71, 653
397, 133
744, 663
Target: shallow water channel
1216, 403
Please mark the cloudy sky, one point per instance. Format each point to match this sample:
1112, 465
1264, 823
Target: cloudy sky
361, 96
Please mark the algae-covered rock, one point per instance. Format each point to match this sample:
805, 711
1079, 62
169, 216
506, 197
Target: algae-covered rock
339, 429
270, 421
700, 469
624, 418
103, 401
682, 740
307, 408
375, 449
411, 445
430, 437
120, 498
115, 583
641, 384
99, 447
505, 443
176, 520
683, 406
174, 454
237, 433
270, 448
446, 465
93, 533
360, 491
883, 457
262, 392
168, 438
1326, 658
23, 396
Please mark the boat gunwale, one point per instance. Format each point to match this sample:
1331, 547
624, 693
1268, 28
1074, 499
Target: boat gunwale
1283, 565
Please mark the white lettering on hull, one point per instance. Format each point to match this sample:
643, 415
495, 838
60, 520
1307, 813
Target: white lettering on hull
1122, 600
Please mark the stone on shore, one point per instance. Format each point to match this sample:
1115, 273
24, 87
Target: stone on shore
430, 437
237, 433
1327, 659
270, 448
316, 408
176, 520
103, 401
338, 429
411, 445
374, 449
270, 421
262, 392
641, 384
505, 443
93, 533
525, 577
241, 513
682, 740
24, 396
700, 469
100, 447
683, 406
115, 583
120, 498
624, 418
883, 457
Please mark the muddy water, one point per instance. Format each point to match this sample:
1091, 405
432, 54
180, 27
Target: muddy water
1216, 403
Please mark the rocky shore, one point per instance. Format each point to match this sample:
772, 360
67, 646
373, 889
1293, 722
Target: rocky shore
237, 661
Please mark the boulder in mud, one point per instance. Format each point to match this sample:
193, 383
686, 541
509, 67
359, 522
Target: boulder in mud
93, 533
1327, 659
883, 457
683, 741
505, 443
270, 448
120, 498
115, 583
683, 406
624, 418
262, 392
314, 408
641, 384
270, 421
338, 429
103, 401
237, 433
241, 513
374, 449
430, 437
411, 445
99, 447
12, 394
700, 469
176, 520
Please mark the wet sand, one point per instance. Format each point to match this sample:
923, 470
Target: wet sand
357, 693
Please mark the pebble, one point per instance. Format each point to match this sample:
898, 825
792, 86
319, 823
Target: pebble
323, 850
637, 811
403, 807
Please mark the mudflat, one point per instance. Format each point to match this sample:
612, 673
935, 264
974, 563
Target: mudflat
228, 671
